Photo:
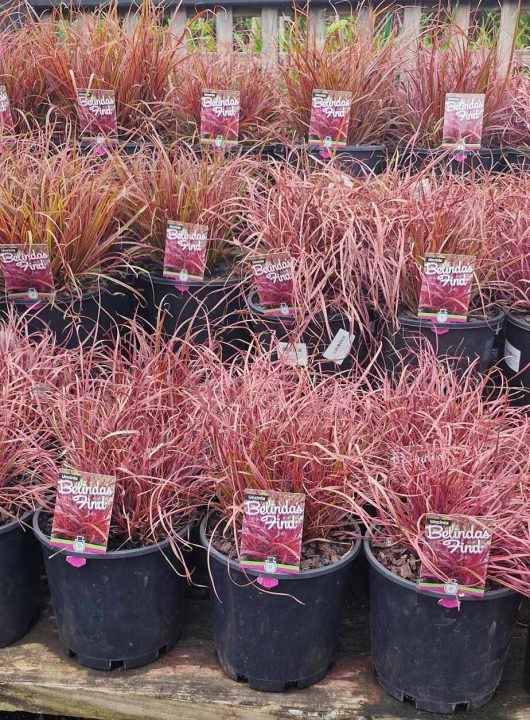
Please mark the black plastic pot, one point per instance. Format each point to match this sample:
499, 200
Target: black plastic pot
319, 338
122, 609
465, 342
209, 309
95, 315
441, 659
526, 671
19, 569
515, 359
267, 638
519, 159
483, 160
355, 160
125, 147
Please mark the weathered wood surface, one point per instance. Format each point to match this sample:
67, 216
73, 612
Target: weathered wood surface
187, 684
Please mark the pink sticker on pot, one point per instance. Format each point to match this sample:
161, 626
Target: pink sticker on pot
185, 253
27, 271
271, 535
446, 288
83, 510
220, 117
97, 118
330, 119
456, 550
273, 277
463, 118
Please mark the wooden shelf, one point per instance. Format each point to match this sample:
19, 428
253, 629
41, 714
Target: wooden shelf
187, 684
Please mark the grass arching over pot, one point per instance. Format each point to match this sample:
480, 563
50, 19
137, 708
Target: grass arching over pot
129, 415
447, 445
68, 202
361, 62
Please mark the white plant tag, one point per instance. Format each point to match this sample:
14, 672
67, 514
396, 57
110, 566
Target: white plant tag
339, 348
294, 353
512, 356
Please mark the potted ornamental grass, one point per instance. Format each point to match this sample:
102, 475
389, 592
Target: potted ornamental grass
444, 63
256, 85
433, 272
450, 503
29, 367
516, 126
307, 261
128, 448
60, 241
280, 542
339, 95
513, 263
98, 51
185, 239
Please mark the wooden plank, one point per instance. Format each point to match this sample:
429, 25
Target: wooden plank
188, 684
130, 21
178, 21
269, 32
509, 21
461, 17
317, 24
224, 28
411, 31
523, 56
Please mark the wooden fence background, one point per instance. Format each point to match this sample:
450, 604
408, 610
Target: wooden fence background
273, 15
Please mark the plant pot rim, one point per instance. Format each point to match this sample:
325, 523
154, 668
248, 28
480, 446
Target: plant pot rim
303, 575
368, 147
112, 554
424, 150
14, 524
409, 585
518, 321
496, 319
56, 299
155, 277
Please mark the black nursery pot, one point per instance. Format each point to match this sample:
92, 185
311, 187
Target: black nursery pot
463, 341
209, 309
268, 639
79, 320
519, 159
526, 671
483, 160
441, 659
19, 569
355, 160
515, 361
122, 609
332, 346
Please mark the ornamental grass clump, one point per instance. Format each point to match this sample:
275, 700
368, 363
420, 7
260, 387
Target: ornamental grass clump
362, 62
271, 427
447, 445
129, 415
176, 184
515, 131
67, 202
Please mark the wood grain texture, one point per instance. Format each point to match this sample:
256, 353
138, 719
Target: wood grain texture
187, 684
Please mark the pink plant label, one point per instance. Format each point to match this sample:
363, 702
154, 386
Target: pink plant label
83, 509
185, 253
220, 117
446, 288
271, 536
27, 271
273, 276
463, 118
330, 118
7, 126
456, 550
97, 117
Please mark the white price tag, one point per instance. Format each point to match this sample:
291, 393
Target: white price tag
339, 348
512, 356
294, 353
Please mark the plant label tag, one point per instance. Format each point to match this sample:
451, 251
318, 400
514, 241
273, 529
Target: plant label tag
220, 117
456, 552
463, 117
512, 356
446, 288
271, 534
273, 277
27, 271
83, 510
7, 126
185, 253
295, 354
339, 348
97, 118
330, 118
